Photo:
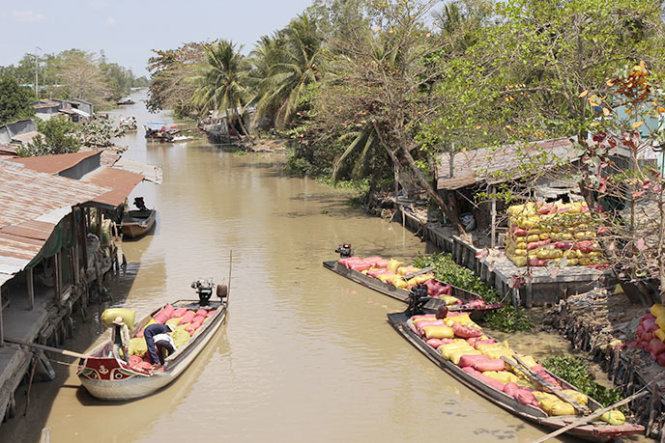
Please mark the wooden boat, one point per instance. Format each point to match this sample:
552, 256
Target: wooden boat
595, 431
126, 102
108, 378
403, 295
137, 223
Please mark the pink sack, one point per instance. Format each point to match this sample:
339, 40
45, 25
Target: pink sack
360, 266
466, 331
487, 380
475, 341
649, 325
161, 317
436, 342
188, 317
539, 370
212, 312
201, 313
423, 317
179, 313
376, 272
467, 361
422, 324
661, 359
490, 364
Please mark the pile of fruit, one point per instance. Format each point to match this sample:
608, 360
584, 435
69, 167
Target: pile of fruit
540, 234
650, 334
183, 322
458, 339
394, 273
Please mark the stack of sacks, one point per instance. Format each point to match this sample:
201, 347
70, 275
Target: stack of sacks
136, 363
542, 233
650, 333
181, 318
481, 357
138, 347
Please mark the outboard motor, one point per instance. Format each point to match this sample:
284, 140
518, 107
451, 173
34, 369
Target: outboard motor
204, 289
344, 250
140, 203
418, 298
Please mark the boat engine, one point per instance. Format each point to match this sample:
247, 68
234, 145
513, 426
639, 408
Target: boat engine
344, 250
418, 298
204, 289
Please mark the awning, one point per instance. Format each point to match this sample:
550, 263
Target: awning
121, 183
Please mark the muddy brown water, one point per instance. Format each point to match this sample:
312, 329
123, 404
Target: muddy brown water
305, 355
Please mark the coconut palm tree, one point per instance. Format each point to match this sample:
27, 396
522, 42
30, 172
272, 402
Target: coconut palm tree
223, 84
288, 62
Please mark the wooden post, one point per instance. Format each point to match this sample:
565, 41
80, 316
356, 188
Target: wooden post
2, 327
56, 277
493, 212
31, 287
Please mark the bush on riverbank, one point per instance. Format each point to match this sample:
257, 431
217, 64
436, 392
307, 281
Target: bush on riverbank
576, 372
507, 319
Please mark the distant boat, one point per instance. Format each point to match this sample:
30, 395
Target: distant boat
128, 101
138, 223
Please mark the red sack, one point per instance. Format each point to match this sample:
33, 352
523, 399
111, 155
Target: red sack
466, 331
661, 359
656, 347
360, 266
445, 290
539, 370
467, 361
649, 325
161, 317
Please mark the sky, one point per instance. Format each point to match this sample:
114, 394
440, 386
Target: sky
127, 30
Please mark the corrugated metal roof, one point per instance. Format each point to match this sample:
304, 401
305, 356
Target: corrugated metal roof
9, 150
56, 163
120, 182
500, 164
31, 204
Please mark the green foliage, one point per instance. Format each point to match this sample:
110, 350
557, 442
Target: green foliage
58, 135
575, 370
507, 319
15, 101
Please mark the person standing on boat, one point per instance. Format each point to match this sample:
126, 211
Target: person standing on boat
120, 339
158, 339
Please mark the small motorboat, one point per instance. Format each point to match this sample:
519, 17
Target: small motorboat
137, 223
126, 102
109, 377
467, 301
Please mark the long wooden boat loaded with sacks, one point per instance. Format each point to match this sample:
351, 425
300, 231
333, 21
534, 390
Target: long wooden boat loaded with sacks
517, 383
394, 279
111, 377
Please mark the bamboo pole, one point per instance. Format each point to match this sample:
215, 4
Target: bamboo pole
30, 277
48, 348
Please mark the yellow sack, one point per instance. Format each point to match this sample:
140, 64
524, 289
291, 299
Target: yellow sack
658, 310
456, 356
449, 299
504, 377
552, 405
439, 332
520, 262
520, 252
495, 350
455, 350
419, 279
528, 360
399, 283
138, 346
660, 333
172, 323
393, 265
462, 319
405, 270
578, 397
533, 238
613, 417
386, 277
180, 337
128, 316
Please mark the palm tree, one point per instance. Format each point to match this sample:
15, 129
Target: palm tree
288, 63
223, 84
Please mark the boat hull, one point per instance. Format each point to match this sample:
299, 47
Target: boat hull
107, 379
135, 227
596, 433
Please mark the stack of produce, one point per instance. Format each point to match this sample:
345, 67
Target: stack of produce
458, 339
650, 334
543, 233
393, 272
183, 322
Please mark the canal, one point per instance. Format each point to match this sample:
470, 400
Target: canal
305, 355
